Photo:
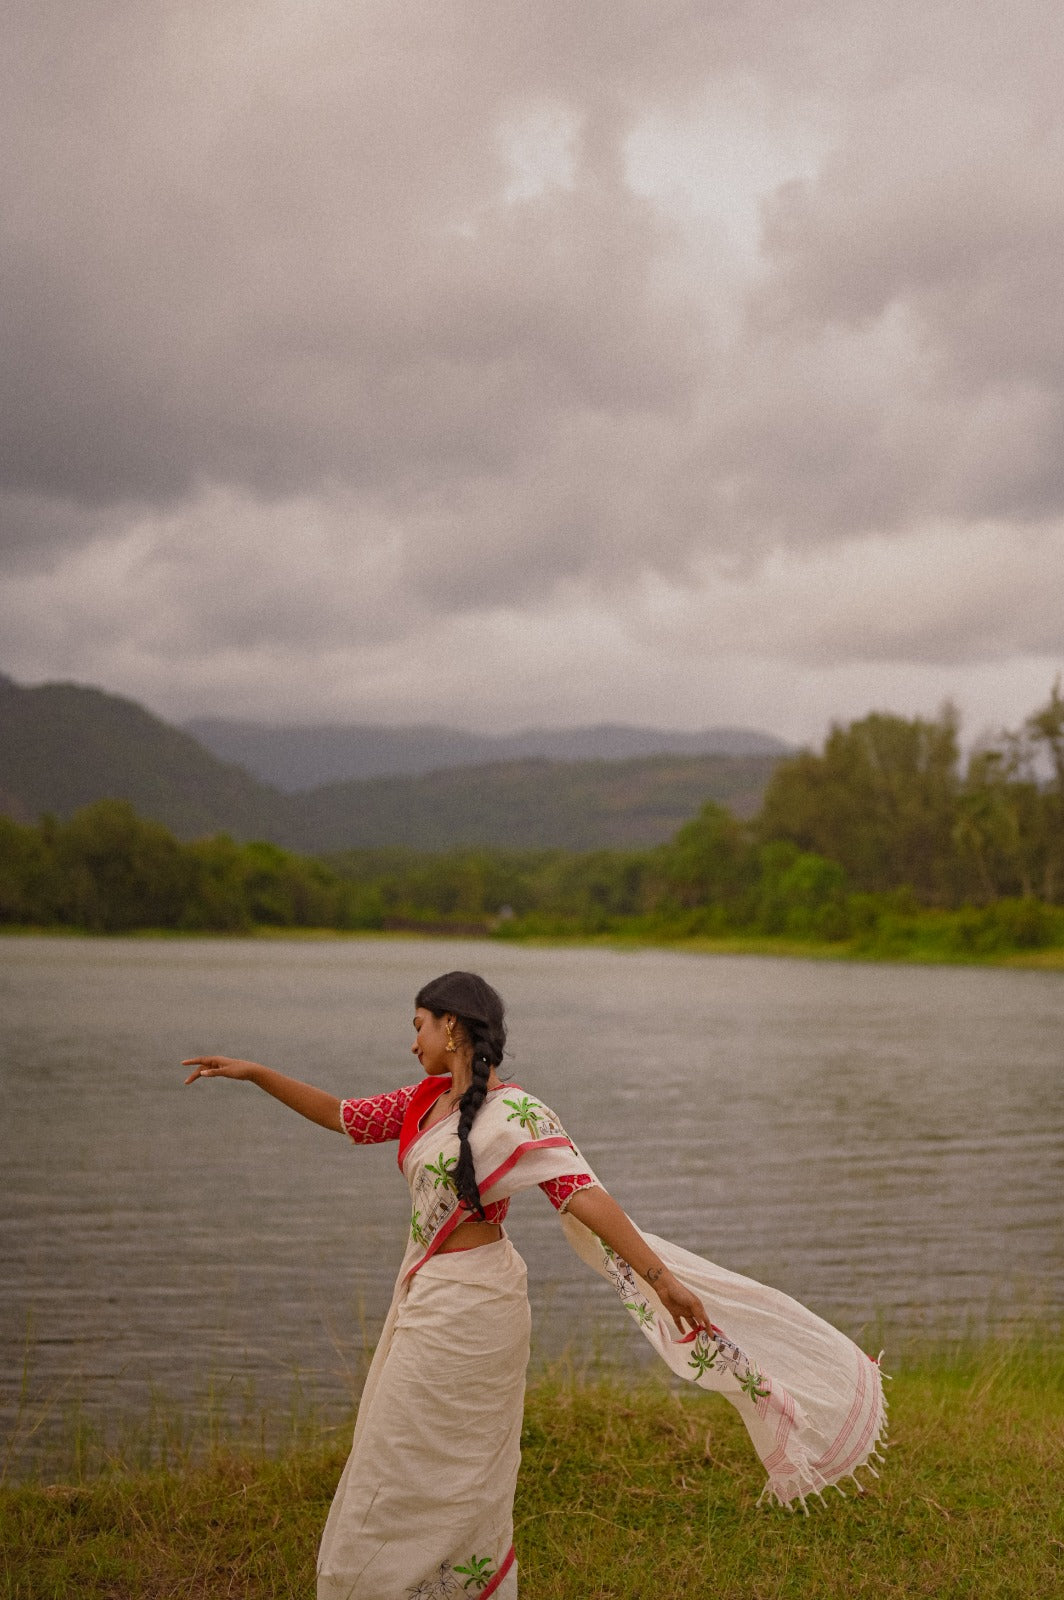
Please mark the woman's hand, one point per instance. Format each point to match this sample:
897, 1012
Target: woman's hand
682, 1305
314, 1104
218, 1067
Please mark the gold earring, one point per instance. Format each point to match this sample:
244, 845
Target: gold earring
450, 1046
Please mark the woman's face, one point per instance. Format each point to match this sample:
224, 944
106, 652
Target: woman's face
430, 1042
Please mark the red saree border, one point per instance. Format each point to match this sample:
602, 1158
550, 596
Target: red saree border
555, 1142
425, 1095
507, 1562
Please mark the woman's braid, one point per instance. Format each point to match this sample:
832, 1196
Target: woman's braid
480, 1011
465, 1179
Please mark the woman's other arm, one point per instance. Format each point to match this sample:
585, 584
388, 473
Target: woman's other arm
600, 1212
314, 1104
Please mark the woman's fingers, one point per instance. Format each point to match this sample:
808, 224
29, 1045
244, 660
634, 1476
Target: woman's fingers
701, 1317
206, 1066
686, 1308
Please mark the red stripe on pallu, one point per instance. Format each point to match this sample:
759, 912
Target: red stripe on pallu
829, 1461
456, 1217
507, 1563
829, 1464
784, 1424
556, 1141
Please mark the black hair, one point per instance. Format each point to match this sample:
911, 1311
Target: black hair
479, 1009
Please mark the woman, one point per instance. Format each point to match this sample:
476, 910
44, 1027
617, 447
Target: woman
425, 1504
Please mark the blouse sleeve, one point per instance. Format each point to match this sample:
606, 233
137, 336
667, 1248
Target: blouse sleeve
378, 1118
560, 1191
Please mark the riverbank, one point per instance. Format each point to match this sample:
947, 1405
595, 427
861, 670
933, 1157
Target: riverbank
624, 1493
930, 945
929, 953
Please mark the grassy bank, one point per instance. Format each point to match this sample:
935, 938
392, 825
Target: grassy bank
928, 944
912, 952
624, 1493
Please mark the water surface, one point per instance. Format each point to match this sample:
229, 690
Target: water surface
883, 1142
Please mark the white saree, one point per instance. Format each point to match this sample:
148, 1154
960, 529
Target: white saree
424, 1509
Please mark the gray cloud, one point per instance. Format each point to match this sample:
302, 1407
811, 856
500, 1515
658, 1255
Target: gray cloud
321, 325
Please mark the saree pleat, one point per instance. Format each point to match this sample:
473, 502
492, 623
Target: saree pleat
425, 1505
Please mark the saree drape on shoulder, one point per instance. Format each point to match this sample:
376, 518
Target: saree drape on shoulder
424, 1508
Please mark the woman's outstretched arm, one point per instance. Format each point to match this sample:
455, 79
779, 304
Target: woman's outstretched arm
314, 1104
600, 1212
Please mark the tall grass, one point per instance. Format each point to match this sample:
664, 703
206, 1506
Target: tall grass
626, 1493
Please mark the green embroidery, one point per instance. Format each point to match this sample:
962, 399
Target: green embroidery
702, 1358
479, 1569
524, 1112
442, 1170
751, 1384
641, 1311
417, 1231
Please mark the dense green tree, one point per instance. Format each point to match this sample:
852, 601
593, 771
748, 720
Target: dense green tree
122, 872
998, 832
881, 801
1045, 730
711, 861
33, 886
799, 893
219, 900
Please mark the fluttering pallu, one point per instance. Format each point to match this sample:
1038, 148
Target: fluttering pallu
416, 1514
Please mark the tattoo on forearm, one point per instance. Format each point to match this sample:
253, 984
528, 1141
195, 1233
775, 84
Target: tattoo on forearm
652, 1274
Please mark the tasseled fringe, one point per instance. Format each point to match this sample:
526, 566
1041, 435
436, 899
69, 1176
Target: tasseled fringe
770, 1495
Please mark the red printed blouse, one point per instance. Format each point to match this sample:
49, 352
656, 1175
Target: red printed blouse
399, 1114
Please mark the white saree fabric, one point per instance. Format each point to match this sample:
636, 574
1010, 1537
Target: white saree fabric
424, 1507
812, 1401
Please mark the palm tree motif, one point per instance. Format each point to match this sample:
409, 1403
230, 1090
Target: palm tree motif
479, 1569
751, 1384
703, 1357
441, 1171
641, 1311
417, 1230
524, 1113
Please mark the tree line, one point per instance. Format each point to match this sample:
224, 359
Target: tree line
883, 832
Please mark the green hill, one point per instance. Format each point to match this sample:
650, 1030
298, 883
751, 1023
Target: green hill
63, 746
567, 805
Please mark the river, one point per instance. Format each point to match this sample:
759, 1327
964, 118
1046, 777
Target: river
884, 1142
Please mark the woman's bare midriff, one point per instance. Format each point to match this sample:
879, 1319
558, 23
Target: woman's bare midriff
468, 1235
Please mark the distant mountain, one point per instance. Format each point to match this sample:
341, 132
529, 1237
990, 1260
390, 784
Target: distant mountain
63, 746
568, 805
304, 756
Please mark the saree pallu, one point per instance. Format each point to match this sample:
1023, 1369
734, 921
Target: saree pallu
425, 1505
811, 1400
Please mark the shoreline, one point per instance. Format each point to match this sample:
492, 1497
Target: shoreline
1046, 959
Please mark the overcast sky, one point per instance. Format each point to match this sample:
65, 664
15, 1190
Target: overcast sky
553, 362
